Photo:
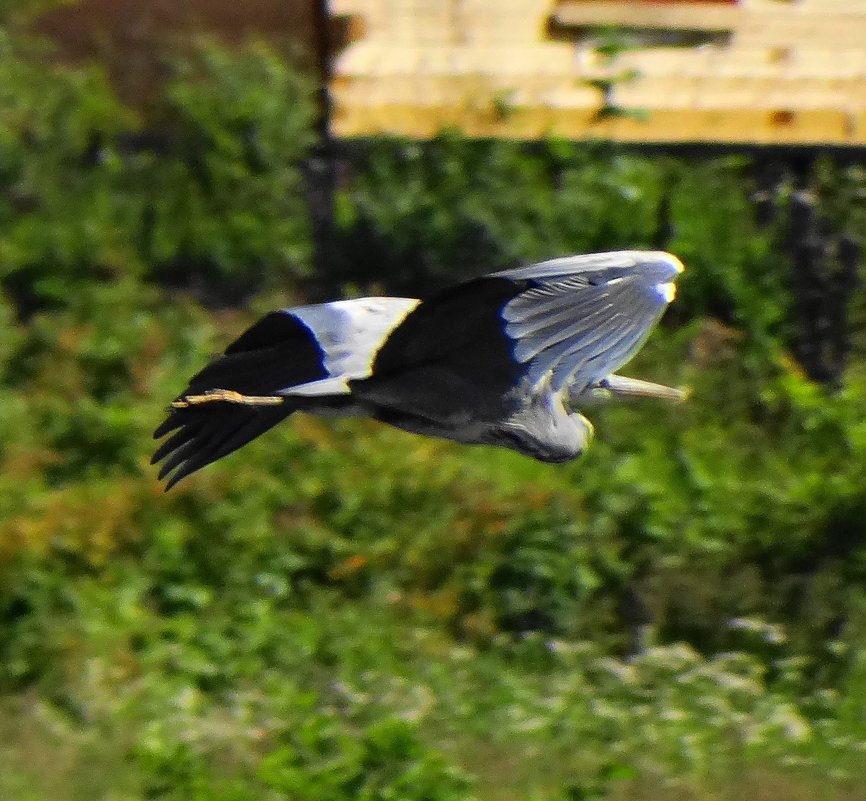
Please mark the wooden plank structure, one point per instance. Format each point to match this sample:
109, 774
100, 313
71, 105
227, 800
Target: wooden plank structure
756, 71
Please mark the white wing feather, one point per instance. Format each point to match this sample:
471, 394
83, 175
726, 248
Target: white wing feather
586, 316
350, 333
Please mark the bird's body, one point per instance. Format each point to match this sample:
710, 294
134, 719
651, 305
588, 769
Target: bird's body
504, 359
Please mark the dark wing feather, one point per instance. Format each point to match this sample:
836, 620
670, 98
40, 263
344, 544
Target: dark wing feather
449, 359
277, 352
209, 434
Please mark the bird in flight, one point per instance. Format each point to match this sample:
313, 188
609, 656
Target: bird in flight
507, 359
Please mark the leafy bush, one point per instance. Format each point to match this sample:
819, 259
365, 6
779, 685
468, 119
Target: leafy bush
209, 197
219, 204
57, 205
421, 215
318, 758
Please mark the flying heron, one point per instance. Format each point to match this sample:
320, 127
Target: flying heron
506, 359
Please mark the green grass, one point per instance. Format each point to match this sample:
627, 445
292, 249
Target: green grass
362, 691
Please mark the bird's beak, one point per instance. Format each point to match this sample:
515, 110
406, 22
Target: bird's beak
618, 386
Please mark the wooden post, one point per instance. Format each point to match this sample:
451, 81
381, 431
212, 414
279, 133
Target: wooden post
320, 168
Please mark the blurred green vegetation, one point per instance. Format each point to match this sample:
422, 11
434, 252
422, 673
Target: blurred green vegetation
345, 611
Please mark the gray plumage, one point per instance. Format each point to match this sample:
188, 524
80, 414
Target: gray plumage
504, 360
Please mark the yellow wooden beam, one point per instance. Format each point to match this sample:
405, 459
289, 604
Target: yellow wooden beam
666, 16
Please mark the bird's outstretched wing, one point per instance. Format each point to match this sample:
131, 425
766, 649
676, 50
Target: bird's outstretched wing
290, 360
582, 317
569, 321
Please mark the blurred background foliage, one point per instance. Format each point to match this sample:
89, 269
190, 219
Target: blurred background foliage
345, 611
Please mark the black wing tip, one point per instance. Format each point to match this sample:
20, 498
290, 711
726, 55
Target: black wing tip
173, 480
166, 428
173, 458
190, 430
206, 433
175, 468
178, 467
